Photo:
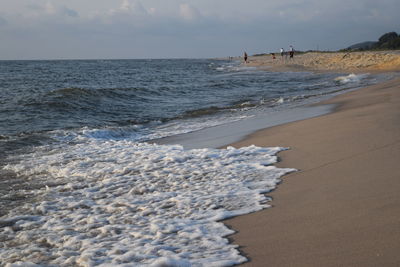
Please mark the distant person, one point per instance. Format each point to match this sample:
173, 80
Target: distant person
282, 54
273, 55
291, 51
245, 57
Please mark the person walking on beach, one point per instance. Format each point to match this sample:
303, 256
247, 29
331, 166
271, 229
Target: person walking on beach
282, 54
245, 57
291, 52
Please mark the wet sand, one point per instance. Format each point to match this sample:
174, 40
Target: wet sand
342, 208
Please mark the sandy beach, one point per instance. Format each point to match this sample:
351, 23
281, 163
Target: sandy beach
342, 208
85, 193
327, 61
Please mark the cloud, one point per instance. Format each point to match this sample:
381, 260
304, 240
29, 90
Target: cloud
125, 6
69, 12
176, 28
152, 11
129, 8
49, 9
189, 12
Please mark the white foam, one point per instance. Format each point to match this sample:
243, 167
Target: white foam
281, 100
121, 202
351, 78
155, 130
234, 67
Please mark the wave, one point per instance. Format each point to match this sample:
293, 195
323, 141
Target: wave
192, 120
351, 78
151, 204
215, 109
72, 91
234, 66
75, 106
76, 92
155, 102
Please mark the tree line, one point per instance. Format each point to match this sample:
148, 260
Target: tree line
388, 41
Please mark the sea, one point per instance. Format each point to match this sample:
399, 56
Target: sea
85, 180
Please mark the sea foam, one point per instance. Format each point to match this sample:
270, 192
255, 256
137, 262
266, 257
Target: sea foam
351, 78
121, 203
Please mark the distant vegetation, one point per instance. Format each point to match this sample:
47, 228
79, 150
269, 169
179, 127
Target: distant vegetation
388, 41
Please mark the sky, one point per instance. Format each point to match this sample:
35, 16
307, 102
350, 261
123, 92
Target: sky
125, 29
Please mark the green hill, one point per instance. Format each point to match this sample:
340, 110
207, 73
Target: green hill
388, 41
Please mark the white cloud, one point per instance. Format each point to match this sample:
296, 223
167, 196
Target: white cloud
49, 8
152, 11
130, 8
188, 12
126, 6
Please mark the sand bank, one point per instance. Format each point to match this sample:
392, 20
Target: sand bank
337, 61
342, 208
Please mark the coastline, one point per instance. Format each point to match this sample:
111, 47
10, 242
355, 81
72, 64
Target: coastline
92, 176
225, 134
377, 62
336, 210
368, 61
342, 207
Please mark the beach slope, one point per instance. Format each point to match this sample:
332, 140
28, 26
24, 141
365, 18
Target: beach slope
342, 208
367, 61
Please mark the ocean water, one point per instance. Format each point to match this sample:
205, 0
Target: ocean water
82, 184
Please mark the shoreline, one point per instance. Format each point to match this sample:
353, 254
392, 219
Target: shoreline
222, 135
330, 146
130, 172
356, 62
341, 208
318, 62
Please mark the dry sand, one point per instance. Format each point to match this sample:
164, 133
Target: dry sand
352, 61
342, 208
